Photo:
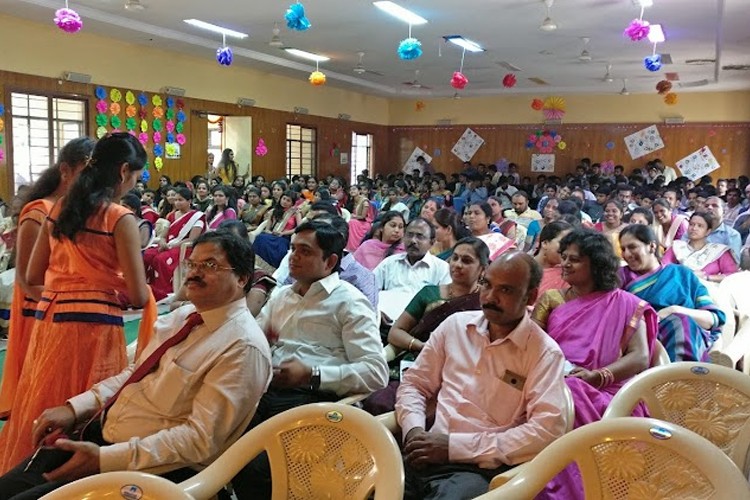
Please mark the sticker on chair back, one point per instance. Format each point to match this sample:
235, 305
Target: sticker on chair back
700, 370
660, 433
334, 416
131, 492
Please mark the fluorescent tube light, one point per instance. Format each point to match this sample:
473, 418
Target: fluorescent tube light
399, 12
643, 3
464, 43
216, 29
307, 55
656, 34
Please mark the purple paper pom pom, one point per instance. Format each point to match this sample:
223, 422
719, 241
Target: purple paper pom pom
224, 56
409, 48
68, 20
637, 30
652, 63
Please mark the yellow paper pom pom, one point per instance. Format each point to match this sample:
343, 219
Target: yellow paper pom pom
129, 97
317, 78
158, 162
561, 145
670, 99
115, 95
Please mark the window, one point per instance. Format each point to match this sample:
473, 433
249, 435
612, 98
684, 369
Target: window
41, 126
361, 158
301, 150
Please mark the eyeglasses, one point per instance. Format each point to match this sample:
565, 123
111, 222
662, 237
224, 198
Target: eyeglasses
207, 266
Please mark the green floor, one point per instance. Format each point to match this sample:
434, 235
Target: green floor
131, 333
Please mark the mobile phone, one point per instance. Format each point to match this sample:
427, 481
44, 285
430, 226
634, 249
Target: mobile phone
47, 458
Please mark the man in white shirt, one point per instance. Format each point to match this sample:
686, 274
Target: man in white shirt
410, 271
498, 382
178, 407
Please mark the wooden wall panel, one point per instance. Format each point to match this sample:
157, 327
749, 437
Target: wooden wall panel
730, 143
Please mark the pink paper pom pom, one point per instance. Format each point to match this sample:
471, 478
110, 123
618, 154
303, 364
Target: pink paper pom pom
2, 156
101, 106
459, 80
637, 30
170, 126
157, 137
143, 138
181, 140
68, 20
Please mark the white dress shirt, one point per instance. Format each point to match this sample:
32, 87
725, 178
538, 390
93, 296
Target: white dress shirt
499, 402
197, 402
397, 274
332, 326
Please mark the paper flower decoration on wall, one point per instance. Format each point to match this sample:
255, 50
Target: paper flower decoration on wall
130, 97
261, 149
561, 145
670, 99
144, 126
115, 95
145, 176
142, 99
554, 108
537, 104
409, 48
114, 108
317, 78
116, 122
156, 100
295, 18
158, 163
224, 56
68, 20
459, 80
170, 137
157, 137
664, 86
101, 106
101, 132
101, 119
652, 63
419, 106
130, 124
637, 30
143, 138
509, 80
181, 139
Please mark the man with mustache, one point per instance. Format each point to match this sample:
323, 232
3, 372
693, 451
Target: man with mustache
417, 267
187, 398
498, 382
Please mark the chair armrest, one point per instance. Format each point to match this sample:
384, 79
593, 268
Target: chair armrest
391, 352
389, 421
506, 476
737, 348
352, 399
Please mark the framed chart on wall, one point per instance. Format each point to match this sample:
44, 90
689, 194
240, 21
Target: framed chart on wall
544, 163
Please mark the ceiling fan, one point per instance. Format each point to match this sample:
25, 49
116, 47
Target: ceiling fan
415, 83
585, 56
134, 5
276, 36
624, 90
608, 75
548, 24
360, 69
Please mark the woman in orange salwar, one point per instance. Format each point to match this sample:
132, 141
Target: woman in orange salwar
88, 257
38, 201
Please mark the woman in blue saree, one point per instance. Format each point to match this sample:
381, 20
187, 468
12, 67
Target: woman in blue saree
689, 320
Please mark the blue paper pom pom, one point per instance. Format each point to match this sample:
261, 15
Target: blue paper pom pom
409, 48
295, 18
180, 116
170, 102
170, 137
145, 175
158, 150
529, 144
101, 93
142, 99
2, 109
653, 63
224, 56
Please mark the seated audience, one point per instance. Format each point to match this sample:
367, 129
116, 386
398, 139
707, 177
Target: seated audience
669, 225
394, 204
721, 232
508, 227
429, 207
642, 216
145, 228
361, 219
273, 243
187, 398
254, 210
709, 261
548, 255
448, 230
223, 207
478, 217
612, 222
550, 213
488, 419
384, 240
521, 212
202, 198
689, 321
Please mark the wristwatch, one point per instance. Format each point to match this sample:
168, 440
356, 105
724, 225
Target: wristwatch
315, 378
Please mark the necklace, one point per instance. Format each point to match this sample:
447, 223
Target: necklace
452, 295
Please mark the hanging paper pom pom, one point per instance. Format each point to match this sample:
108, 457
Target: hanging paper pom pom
459, 80
157, 137
180, 104
509, 80
224, 56
142, 113
181, 139
537, 104
180, 127
2, 109
172, 150
170, 113
100, 93
419, 106
261, 149
670, 99
68, 20
317, 78
145, 176
554, 108
115, 95
637, 30
130, 111
143, 138
158, 112
664, 86
652, 63
158, 163
142, 99
409, 48
295, 18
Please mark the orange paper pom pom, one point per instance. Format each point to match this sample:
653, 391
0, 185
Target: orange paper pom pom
419, 106
537, 104
670, 99
317, 78
664, 87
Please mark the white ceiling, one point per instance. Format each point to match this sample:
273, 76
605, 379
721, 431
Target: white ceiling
508, 29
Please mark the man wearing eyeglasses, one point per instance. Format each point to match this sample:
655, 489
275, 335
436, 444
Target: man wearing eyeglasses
187, 398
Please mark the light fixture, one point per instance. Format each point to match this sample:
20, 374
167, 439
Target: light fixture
72, 76
245, 102
643, 3
276, 38
464, 43
608, 75
307, 55
134, 5
216, 29
624, 90
548, 24
401, 13
656, 34
175, 91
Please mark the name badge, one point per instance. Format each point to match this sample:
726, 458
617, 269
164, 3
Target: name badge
514, 380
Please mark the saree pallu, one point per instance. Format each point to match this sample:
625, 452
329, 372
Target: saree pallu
436, 312
372, 252
358, 228
272, 248
670, 285
497, 243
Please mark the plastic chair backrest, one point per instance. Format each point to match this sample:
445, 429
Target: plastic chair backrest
659, 357
322, 450
710, 400
121, 484
628, 458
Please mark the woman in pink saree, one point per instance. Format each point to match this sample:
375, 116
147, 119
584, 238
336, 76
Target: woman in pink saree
606, 334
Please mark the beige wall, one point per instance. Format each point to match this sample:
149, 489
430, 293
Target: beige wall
44, 50
643, 108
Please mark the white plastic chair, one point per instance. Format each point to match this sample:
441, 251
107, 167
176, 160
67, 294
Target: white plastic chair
632, 458
708, 399
122, 484
736, 347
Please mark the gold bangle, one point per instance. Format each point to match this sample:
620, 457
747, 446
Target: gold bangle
411, 344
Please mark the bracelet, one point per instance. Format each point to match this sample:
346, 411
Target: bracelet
411, 344
606, 376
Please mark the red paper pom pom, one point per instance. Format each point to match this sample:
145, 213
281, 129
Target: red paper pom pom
459, 80
509, 80
537, 104
664, 86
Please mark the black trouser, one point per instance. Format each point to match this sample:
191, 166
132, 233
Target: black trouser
253, 482
448, 482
